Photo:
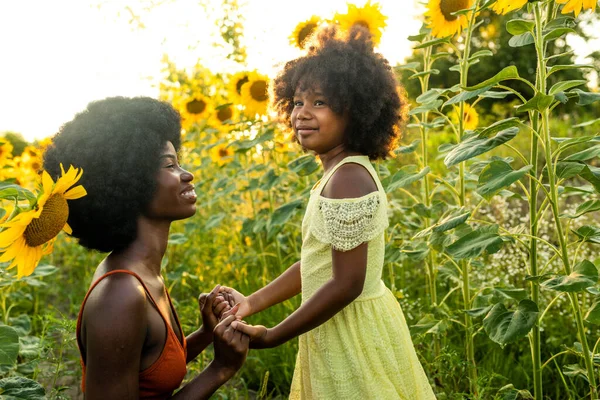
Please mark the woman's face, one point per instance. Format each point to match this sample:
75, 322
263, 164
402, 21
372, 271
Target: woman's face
175, 197
316, 125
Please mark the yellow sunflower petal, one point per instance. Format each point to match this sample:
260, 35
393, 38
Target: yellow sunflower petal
75, 193
442, 21
17, 247
30, 260
47, 182
68, 229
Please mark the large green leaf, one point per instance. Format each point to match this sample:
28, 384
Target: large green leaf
584, 208
467, 95
282, 214
556, 33
588, 233
566, 170
430, 95
584, 275
12, 191
473, 244
477, 145
497, 176
592, 175
524, 39
304, 165
519, 26
9, 345
556, 68
584, 155
503, 326
565, 85
19, 388
586, 98
405, 176
432, 105
409, 148
593, 314
507, 73
450, 222
539, 102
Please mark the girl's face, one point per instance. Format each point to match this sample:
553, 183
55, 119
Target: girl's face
174, 197
316, 125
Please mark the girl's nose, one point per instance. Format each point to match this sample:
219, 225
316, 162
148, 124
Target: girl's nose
303, 113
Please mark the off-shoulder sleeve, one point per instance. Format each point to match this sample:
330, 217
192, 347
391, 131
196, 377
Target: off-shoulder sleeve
347, 223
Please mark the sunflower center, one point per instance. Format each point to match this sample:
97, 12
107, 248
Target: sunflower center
224, 114
305, 33
195, 106
362, 23
51, 221
239, 84
223, 152
451, 6
258, 90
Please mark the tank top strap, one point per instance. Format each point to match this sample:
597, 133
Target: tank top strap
119, 271
361, 160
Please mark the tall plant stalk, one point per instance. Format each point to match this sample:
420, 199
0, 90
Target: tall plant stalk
553, 191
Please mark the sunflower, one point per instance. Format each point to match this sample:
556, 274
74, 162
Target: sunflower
440, 18
369, 16
221, 154
30, 234
577, 5
505, 6
236, 81
194, 109
224, 116
303, 31
470, 117
6, 149
255, 94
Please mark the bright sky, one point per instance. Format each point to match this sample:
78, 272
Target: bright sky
57, 56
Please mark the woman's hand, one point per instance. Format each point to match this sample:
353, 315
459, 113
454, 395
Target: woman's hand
238, 298
260, 336
212, 306
231, 346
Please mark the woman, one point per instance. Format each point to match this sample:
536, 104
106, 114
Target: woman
130, 339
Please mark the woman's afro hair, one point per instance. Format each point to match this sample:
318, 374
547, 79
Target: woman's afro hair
355, 80
117, 142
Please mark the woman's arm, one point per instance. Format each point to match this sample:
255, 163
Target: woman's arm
285, 286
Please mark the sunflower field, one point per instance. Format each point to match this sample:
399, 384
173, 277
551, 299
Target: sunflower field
492, 249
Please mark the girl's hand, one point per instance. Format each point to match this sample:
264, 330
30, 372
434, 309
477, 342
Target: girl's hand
259, 334
237, 298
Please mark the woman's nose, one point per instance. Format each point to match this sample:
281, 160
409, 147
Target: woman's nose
186, 176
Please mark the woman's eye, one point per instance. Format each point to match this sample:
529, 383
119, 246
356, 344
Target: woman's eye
170, 166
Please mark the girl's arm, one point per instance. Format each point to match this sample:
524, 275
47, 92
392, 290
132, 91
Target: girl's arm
285, 286
346, 284
348, 275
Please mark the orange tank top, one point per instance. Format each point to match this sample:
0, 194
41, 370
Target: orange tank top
159, 380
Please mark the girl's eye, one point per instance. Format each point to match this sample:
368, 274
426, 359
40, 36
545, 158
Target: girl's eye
319, 103
297, 103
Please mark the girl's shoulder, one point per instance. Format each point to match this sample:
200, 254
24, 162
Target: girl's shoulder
350, 180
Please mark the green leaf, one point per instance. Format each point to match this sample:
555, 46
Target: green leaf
214, 221
479, 312
519, 26
503, 293
430, 95
521, 40
556, 33
450, 222
592, 175
593, 314
587, 123
539, 102
477, 145
586, 98
467, 95
408, 149
282, 214
584, 155
497, 176
12, 191
403, 178
565, 85
9, 345
503, 326
19, 388
412, 65
177, 238
432, 105
566, 170
510, 72
481, 53
475, 243
432, 71
304, 165
434, 42
241, 146
418, 253
587, 207
588, 233
584, 275
495, 95
556, 68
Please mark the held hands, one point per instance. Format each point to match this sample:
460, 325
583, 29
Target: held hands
259, 335
235, 296
212, 306
231, 346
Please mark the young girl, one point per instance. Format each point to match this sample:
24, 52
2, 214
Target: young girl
342, 102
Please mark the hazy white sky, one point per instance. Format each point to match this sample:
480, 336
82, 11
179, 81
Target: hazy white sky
56, 56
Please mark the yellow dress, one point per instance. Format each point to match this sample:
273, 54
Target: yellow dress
364, 351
